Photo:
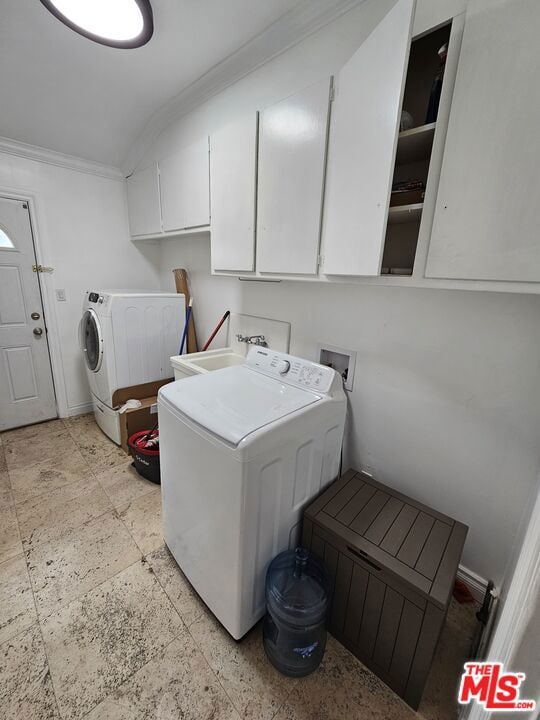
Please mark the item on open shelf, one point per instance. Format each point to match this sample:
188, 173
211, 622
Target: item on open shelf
396, 271
436, 88
413, 184
407, 121
406, 197
408, 192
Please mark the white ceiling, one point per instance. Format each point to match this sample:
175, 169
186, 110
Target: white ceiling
61, 91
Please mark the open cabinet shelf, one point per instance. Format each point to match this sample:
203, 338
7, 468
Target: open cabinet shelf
381, 184
396, 272
413, 153
405, 213
415, 144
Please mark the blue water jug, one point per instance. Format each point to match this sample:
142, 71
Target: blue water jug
297, 592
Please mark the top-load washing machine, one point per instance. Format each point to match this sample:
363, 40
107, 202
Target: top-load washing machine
127, 338
243, 450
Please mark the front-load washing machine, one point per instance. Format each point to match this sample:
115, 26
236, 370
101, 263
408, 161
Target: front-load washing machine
127, 338
243, 450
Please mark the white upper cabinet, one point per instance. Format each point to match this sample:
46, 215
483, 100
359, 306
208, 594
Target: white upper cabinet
144, 208
361, 152
185, 187
233, 169
292, 152
486, 218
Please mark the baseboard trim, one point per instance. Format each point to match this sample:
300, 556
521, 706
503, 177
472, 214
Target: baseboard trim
476, 584
81, 409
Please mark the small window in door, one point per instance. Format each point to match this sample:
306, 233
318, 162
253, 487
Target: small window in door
5, 242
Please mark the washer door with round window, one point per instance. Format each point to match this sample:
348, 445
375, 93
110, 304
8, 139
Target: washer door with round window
91, 341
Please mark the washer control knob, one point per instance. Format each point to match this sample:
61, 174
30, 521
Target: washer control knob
283, 367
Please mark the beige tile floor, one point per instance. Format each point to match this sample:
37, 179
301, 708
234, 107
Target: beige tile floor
97, 621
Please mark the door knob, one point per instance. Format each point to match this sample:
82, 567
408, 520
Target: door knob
35, 316
38, 331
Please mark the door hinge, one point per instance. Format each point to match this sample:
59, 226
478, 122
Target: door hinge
42, 269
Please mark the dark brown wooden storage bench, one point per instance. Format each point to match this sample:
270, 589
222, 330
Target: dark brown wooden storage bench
393, 563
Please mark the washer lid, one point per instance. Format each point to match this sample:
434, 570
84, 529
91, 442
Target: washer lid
234, 402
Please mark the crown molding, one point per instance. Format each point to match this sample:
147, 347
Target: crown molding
51, 157
283, 34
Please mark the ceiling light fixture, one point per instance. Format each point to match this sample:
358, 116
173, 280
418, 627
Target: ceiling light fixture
117, 23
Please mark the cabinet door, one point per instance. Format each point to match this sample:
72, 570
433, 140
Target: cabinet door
361, 151
292, 152
144, 209
486, 217
185, 187
233, 168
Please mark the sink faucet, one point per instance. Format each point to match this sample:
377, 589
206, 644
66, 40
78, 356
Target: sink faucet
252, 339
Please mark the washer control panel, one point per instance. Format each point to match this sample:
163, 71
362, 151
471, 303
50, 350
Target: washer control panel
94, 297
283, 367
292, 370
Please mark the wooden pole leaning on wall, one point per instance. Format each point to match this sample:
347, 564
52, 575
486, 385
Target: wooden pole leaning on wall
182, 286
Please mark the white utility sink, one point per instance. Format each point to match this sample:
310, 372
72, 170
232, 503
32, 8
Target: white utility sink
276, 332
204, 362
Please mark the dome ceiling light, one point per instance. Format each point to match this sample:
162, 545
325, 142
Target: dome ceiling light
117, 23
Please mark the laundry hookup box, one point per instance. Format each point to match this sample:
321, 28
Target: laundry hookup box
393, 563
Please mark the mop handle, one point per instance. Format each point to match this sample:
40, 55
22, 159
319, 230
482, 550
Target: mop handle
149, 434
188, 315
213, 335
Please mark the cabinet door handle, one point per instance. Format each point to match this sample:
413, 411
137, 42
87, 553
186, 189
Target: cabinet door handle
363, 556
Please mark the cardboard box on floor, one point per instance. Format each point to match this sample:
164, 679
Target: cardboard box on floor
134, 420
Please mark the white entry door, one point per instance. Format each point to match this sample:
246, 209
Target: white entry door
26, 384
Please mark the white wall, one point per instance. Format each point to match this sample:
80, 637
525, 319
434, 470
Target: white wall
211, 295
446, 400
82, 232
